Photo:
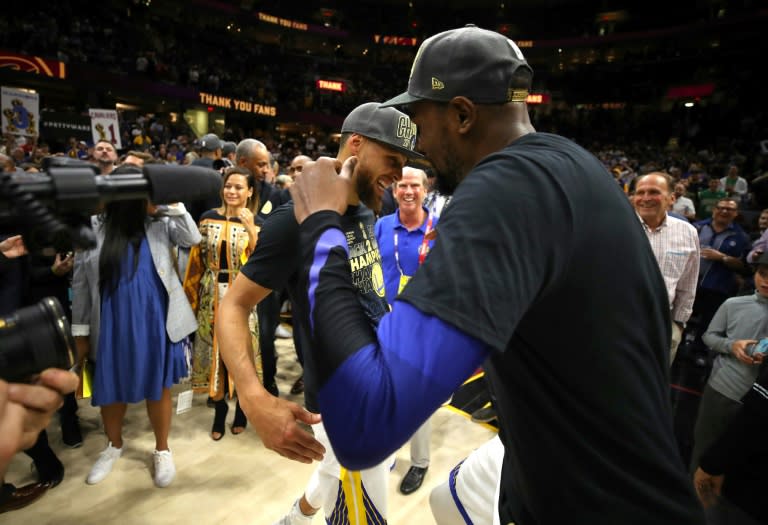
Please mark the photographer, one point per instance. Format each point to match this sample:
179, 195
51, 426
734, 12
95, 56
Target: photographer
25, 410
49, 276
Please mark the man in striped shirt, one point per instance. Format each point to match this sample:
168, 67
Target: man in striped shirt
675, 244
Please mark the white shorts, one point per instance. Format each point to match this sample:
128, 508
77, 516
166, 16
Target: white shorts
354, 497
474, 486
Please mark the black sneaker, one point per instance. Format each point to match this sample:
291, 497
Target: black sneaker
50, 471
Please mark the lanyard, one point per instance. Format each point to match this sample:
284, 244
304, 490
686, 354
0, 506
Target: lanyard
423, 249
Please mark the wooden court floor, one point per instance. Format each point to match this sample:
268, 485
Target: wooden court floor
233, 481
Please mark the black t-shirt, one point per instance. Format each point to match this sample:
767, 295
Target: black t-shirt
276, 261
270, 198
541, 256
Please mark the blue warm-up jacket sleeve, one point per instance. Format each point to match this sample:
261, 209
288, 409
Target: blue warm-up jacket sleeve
377, 386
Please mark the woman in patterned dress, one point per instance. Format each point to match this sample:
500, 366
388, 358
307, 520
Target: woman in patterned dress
229, 236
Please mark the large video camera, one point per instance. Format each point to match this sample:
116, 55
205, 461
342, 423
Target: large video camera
52, 211
33, 339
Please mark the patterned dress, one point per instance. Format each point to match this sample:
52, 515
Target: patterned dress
212, 268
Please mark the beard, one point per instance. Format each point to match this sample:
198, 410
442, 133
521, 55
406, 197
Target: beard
365, 189
449, 176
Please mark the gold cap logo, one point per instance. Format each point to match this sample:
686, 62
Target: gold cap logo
406, 132
437, 84
517, 95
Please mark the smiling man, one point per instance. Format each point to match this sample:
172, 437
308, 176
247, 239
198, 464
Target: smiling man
675, 244
540, 272
382, 140
402, 239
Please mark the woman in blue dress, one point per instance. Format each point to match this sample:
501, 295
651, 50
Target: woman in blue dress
143, 318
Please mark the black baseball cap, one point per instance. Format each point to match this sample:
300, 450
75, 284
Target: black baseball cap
228, 147
470, 62
386, 125
210, 142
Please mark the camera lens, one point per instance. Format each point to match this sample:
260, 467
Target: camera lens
35, 338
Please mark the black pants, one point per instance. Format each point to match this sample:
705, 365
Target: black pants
44, 457
68, 411
268, 312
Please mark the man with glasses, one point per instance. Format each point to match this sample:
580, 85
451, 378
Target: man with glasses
723, 247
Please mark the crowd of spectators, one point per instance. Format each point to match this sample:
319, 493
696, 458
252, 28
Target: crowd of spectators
231, 53
221, 58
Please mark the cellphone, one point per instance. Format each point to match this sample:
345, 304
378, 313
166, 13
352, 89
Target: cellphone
761, 347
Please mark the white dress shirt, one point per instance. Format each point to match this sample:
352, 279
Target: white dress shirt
675, 244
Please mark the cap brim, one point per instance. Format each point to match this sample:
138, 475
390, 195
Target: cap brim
421, 163
400, 100
412, 155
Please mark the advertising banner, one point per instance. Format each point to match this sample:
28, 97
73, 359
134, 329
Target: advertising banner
21, 111
105, 126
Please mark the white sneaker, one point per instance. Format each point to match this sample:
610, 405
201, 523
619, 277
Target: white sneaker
165, 470
283, 332
295, 517
104, 464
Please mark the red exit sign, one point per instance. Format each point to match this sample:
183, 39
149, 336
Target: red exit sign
331, 85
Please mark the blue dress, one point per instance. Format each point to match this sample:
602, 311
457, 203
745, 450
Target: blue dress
136, 359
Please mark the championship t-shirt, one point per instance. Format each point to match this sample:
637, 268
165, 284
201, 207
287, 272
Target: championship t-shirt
276, 260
